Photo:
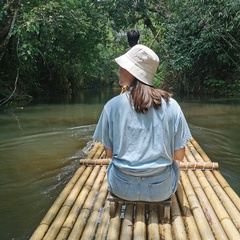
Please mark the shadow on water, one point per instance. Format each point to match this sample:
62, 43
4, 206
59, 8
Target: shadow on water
39, 144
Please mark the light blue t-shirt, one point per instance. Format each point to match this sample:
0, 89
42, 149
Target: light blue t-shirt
142, 144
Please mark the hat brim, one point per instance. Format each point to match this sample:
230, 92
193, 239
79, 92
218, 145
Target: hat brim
124, 62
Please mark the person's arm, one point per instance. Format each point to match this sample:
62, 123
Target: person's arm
108, 152
179, 155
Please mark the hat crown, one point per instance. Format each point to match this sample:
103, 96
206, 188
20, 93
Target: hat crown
141, 62
144, 58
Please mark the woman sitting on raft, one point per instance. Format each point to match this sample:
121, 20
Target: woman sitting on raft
144, 131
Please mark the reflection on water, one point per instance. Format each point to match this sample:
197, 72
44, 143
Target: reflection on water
39, 145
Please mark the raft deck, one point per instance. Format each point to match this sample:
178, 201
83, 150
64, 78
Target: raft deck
204, 206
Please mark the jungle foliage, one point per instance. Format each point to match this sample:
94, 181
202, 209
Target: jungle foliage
49, 47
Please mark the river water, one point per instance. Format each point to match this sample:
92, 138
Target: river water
40, 144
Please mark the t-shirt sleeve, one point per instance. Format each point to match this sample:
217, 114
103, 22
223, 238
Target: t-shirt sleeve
102, 132
182, 132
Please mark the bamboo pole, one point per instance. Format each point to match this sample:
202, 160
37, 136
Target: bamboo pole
188, 155
153, 221
104, 222
79, 202
227, 188
93, 150
127, 224
63, 234
233, 196
78, 187
196, 155
139, 232
198, 165
211, 216
99, 152
183, 165
88, 161
200, 155
223, 217
177, 221
192, 230
200, 151
183, 199
225, 200
165, 231
89, 230
77, 207
40, 232
201, 221
115, 225
57, 224
79, 225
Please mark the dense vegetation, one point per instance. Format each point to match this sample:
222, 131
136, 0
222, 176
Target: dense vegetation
48, 47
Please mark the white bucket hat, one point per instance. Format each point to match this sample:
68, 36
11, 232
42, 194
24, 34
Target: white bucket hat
141, 62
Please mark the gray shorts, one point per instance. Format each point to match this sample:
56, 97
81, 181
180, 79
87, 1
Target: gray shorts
157, 187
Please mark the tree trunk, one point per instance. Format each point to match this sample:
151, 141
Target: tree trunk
7, 25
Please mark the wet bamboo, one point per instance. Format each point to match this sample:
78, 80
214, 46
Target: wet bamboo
127, 224
201, 221
79, 225
63, 234
89, 230
207, 207
57, 223
139, 232
227, 188
104, 222
225, 200
40, 232
223, 216
115, 225
177, 221
72, 216
102, 194
153, 222
77, 207
192, 230
91, 226
79, 202
165, 231
78, 186
52, 212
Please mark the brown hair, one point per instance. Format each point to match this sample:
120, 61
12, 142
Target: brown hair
144, 97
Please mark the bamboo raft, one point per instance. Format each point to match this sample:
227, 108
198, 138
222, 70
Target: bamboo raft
204, 206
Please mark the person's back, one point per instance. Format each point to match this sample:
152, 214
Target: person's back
144, 131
